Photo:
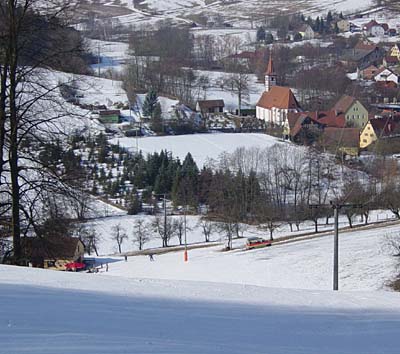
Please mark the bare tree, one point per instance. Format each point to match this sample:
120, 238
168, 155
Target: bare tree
227, 228
141, 233
119, 235
392, 244
89, 237
164, 228
29, 101
207, 227
239, 84
179, 226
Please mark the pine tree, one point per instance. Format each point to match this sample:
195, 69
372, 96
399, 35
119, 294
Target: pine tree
134, 204
329, 17
156, 119
150, 103
269, 38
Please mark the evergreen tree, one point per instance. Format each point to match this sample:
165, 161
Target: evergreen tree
322, 26
185, 186
156, 119
336, 28
317, 25
134, 204
329, 17
150, 103
269, 38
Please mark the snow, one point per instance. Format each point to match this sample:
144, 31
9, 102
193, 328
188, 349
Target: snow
46, 312
112, 54
365, 263
203, 147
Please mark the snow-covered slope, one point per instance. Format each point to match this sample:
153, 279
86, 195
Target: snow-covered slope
366, 263
203, 147
45, 312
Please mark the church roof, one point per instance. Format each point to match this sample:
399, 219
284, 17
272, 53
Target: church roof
278, 97
270, 67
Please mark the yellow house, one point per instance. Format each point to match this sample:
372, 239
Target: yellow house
367, 136
395, 51
375, 129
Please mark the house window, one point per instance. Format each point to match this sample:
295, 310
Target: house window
369, 128
364, 140
371, 135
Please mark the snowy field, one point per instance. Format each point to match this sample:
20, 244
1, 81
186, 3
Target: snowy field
203, 147
45, 312
366, 263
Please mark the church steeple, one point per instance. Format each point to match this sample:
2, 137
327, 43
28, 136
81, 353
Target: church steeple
270, 75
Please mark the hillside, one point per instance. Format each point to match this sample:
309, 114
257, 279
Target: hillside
46, 312
239, 12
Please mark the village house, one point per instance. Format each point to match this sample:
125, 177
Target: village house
343, 141
386, 75
389, 61
52, 252
307, 126
356, 115
395, 51
276, 101
306, 32
374, 29
369, 72
343, 25
362, 55
109, 116
376, 129
303, 128
206, 107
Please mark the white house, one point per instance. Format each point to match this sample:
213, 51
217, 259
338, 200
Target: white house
306, 32
386, 75
276, 101
374, 29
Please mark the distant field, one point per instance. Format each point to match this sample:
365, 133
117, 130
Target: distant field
240, 13
202, 146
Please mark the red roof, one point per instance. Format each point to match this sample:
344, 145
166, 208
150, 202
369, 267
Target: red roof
371, 24
342, 137
332, 119
344, 103
296, 120
383, 126
278, 97
270, 67
391, 60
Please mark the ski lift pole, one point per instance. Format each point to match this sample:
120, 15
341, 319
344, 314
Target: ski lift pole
185, 255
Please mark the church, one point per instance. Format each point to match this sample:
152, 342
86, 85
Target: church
276, 101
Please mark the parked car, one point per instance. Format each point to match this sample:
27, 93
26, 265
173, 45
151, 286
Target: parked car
75, 266
257, 242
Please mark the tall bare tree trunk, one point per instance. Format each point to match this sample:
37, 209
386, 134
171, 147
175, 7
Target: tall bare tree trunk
13, 148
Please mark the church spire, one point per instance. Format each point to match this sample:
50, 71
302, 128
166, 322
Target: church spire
270, 75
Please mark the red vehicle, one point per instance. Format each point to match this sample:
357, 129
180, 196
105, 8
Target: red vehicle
75, 266
257, 242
